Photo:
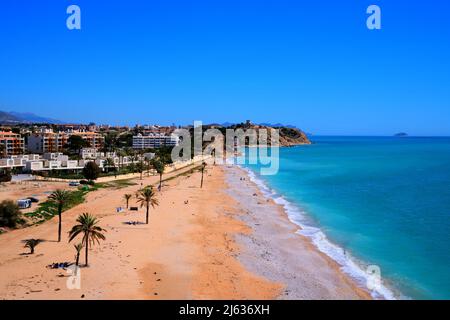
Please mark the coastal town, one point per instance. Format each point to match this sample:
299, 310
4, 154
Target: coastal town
43, 149
62, 150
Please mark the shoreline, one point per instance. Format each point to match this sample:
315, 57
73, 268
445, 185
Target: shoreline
199, 244
344, 263
287, 256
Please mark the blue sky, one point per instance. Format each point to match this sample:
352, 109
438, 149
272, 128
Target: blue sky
309, 63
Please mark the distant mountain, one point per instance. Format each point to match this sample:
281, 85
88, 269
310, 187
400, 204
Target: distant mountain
278, 125
7, 118
401, 134
26, 117
227, 124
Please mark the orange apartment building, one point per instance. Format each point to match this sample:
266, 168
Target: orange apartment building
11, 144
56, 141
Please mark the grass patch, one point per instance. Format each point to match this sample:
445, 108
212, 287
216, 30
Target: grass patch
186, 173
79, 176
47, 209
117, 184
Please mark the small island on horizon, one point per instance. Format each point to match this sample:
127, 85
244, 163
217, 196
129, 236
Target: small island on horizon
401, 134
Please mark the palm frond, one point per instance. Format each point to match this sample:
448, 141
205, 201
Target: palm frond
147, 196
79, 247
87, 224
60, 196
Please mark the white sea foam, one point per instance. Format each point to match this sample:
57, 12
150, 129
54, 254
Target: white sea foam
349, 264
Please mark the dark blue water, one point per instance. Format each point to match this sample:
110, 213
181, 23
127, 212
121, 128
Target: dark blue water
385, 200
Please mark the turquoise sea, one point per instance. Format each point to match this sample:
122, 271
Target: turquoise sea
381, 201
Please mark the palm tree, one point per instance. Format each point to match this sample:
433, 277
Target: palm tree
109, 163
60, 198
148, 162
127, 198
110, 141
78, 248
128, 151
158, 164
120, 153
87, 225
147, 197
140, 168
203, 169
31, 243
134, 157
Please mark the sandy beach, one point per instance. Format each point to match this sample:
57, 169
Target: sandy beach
222, 241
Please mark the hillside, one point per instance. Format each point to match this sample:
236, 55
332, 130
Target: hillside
289, 136
6, 118
12, 118
293, 136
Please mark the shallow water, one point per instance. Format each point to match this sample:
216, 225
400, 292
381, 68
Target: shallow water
379, 201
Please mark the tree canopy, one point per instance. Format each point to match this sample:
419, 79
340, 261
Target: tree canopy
76, 143
91, 171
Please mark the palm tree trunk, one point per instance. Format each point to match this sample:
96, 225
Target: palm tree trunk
87, 246
78, 258
201, 183
160, 181
59, 222
146, 215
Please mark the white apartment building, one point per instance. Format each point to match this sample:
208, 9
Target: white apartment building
18, 160
60, 161
93, 153
154, 141
35, 162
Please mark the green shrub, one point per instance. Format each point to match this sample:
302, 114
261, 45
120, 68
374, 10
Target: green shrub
9, 214
5, 175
